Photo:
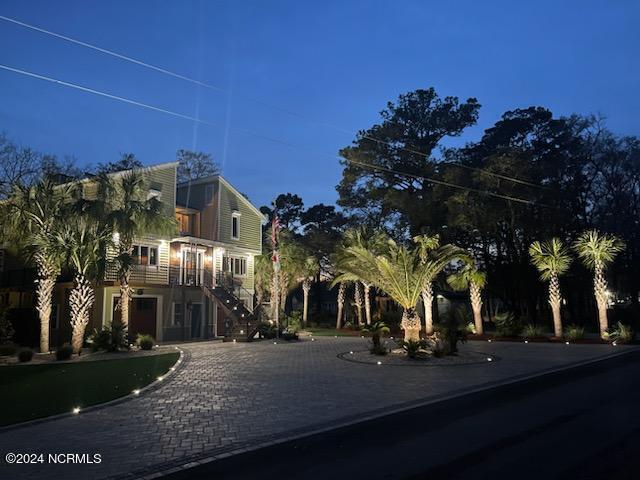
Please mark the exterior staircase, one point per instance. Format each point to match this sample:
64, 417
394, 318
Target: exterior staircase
241, 325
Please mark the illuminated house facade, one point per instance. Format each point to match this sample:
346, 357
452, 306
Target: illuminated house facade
185, 287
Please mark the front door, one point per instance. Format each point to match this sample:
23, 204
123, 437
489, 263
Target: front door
196, 320
192, 264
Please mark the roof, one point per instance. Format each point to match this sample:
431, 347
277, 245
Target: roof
120, 173
221, 179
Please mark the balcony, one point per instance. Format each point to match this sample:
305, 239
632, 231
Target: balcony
145, 274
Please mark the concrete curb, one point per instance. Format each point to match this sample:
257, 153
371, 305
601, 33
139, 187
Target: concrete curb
188, 463
154, 385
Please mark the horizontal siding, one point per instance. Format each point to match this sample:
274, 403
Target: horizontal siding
250, 221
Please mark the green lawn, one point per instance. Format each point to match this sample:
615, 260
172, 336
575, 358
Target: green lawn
35, 391
332, 332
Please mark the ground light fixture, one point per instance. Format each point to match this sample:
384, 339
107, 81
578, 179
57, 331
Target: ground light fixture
489, 359
160, 379
526, 341
76, 410
566, 343
136, 391
379, 362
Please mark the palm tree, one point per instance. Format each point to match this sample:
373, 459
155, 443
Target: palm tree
596, 251
309, 270
401, 273
123, 204
552, 259
263, 276
340, 303
30, 216
474, 280
434, 257
84, 242
375, 242
357, 301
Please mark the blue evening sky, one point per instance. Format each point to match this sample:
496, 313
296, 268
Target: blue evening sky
331, 62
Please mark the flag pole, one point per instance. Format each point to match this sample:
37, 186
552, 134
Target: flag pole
275, 258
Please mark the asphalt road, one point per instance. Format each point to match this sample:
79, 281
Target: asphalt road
578, 424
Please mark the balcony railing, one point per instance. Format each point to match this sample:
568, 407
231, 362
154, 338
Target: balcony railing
147, 274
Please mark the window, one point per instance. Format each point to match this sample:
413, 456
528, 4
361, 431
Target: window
178, 313
235, 226
186, 222
208, 194
235, 265
145, 255
155, 191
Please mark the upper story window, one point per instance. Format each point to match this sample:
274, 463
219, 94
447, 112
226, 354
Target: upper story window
235, 225
145, 255
208, 194
155, 191
235, 265
186, 223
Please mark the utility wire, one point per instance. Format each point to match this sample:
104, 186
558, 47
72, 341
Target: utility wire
249, 132
255, 100
447, 184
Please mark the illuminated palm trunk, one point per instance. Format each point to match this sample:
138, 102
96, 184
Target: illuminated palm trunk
125, 301
600, 291
46, 282
411, 325
274, 298
340, 301
555, 300
357, 297
367, 301
427, 301
306, 287
475, 295
80, 300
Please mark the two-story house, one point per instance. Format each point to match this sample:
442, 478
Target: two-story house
185, 286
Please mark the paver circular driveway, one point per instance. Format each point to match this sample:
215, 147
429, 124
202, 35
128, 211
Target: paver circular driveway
229, 396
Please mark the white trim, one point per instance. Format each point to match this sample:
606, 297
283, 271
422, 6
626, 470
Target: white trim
235, 215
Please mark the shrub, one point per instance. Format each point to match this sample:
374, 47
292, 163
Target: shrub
415, 348
64, 352
25, 355
294, 321
6, 328
453, 329
471, 328
110, 339
145, 342
8, 350
621, 333
267, 330
533, 331
377, 329
507, 325
573, 332
437, 344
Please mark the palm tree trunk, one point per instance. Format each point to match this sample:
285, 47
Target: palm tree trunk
427, 301
357, 297
600, 291
46, 282
555, 300
475, 295
340, 301
44, 294
367, 301
411, 325
306, 286
124, 302
80, 300
274, 298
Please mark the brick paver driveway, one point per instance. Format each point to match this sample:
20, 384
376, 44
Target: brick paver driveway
231, 396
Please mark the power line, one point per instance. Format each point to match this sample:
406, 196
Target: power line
103, 94
251, 133
255, 100
448, 184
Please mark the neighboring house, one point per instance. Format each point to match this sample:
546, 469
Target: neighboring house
177, 281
